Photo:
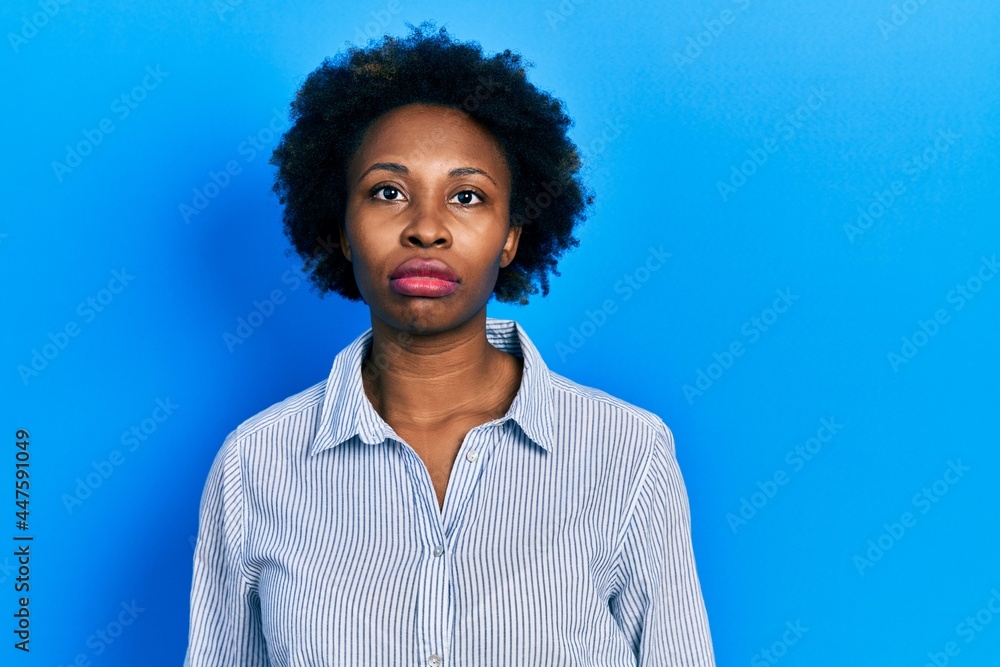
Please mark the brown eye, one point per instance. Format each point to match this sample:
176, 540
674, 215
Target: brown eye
465, 197
389, 192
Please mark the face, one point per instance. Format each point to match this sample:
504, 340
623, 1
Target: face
427, 183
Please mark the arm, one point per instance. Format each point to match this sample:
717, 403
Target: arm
225, 610
658, 603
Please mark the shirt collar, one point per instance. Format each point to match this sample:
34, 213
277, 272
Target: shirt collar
347, 412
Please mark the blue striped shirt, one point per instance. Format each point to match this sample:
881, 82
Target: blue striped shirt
564, 538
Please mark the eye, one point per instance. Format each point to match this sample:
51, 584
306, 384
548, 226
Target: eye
388, 192
465, 197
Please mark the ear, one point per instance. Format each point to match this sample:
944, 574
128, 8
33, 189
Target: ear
510, 247
345, 247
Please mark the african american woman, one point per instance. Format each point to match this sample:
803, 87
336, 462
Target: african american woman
442, 498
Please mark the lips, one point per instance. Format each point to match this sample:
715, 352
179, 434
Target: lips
419, 267
422, 277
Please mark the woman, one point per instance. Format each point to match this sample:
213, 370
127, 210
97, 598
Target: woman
442, 498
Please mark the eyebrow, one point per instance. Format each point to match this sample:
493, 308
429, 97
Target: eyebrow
400, 169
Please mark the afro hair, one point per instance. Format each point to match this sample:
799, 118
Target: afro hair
340, 100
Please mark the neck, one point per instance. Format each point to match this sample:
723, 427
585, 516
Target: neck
423, 380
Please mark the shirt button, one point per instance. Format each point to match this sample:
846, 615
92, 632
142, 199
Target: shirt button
471, 456
438, 550
434, 660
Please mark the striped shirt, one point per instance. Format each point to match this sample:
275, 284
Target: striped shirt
564, 538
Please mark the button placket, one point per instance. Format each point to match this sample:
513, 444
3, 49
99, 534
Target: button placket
432, 621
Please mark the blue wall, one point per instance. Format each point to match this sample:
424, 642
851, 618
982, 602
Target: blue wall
822, 337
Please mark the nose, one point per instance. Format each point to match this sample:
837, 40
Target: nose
427, 227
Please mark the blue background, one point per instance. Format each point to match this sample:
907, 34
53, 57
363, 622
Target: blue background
890, 101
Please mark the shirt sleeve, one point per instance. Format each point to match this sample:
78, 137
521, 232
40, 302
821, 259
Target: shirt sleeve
225, 622
658, 603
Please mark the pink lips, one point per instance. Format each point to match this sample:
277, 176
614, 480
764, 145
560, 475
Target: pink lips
423, 277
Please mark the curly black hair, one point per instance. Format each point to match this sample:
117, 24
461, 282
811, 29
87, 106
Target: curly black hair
340, 100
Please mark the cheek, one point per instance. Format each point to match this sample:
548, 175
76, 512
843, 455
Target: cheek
368, 246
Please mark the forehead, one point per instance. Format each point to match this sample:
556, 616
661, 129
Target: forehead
426, 132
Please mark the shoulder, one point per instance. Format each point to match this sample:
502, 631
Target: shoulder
598, 409
297, 412
258, 443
